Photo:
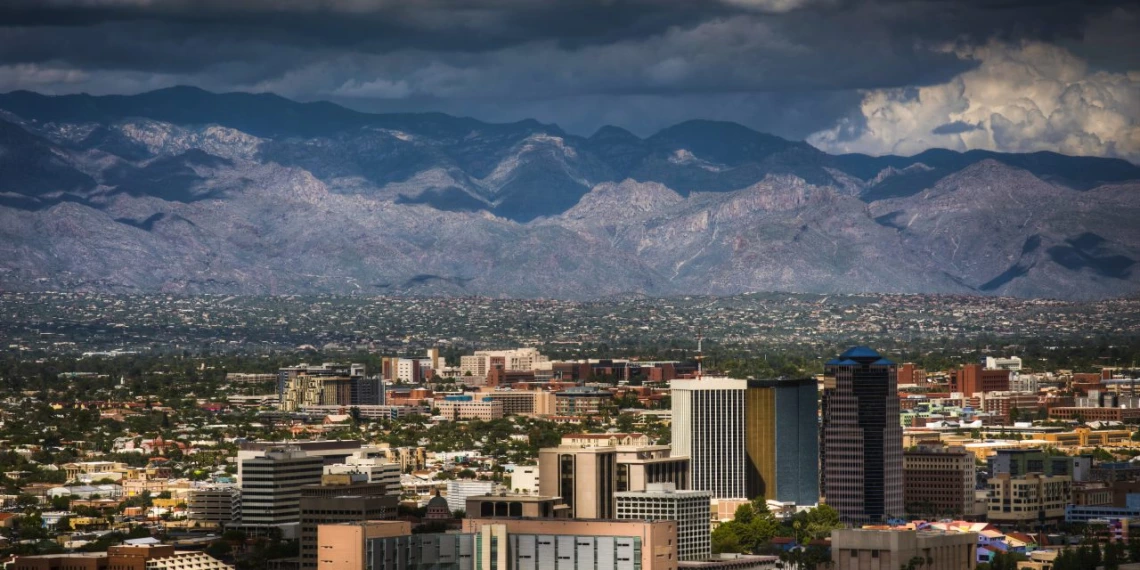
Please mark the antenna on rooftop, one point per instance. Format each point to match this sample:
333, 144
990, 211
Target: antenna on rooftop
700, 354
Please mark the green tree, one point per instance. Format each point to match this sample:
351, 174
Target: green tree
1112, 556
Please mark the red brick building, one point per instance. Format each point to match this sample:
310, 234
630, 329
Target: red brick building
973, 378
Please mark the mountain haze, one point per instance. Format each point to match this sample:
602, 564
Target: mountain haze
183, 190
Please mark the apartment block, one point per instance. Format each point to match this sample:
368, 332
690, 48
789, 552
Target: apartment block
1028, 499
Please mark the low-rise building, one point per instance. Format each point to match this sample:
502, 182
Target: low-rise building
867, 549
463, 407
506, 506
1028, 498
219, 505
518, 543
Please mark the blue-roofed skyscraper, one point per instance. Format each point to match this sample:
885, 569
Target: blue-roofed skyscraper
861, 438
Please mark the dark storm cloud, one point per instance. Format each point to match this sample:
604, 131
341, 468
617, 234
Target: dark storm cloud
954, 128
560, 60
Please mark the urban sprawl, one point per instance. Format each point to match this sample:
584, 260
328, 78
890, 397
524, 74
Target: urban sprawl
868, 432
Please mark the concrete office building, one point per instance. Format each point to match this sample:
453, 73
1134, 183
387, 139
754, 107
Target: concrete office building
588, 468
864, 549
862, 438
271, 486
1028, 499
520, 359
536, 544
522, 402
514, 506
641, 466
748, 438
370, 462
329, 450
217, 505
458, 490
939, 481
1018, 462
484, 544
584, 477
663, 502
464, 407
340, 499
123, 557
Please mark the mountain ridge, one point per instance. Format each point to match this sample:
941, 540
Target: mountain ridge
107, 195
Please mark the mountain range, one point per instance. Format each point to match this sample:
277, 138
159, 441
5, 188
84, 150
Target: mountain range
185, 191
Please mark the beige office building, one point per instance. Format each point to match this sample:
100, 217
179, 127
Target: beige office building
587, 469
1028, 498
522, 402
344, 546
585, 478
865, 549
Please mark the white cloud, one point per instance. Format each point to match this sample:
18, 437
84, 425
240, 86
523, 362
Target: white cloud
1020, 98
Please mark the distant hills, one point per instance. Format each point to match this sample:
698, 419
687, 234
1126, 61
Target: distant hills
183, 190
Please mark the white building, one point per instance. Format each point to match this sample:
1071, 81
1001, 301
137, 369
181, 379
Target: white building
1023, 382
708, 427
524, 480
371, 462
1012, 363
458, 490
478, 364
663, 502
271, 482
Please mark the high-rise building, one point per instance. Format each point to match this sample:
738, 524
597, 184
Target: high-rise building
340, 498
663, 502
749, 438
862, 438
271, 483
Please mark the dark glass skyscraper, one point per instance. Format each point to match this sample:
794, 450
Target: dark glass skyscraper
861, 437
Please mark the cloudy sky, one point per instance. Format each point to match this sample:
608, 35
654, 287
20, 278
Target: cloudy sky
883, 76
